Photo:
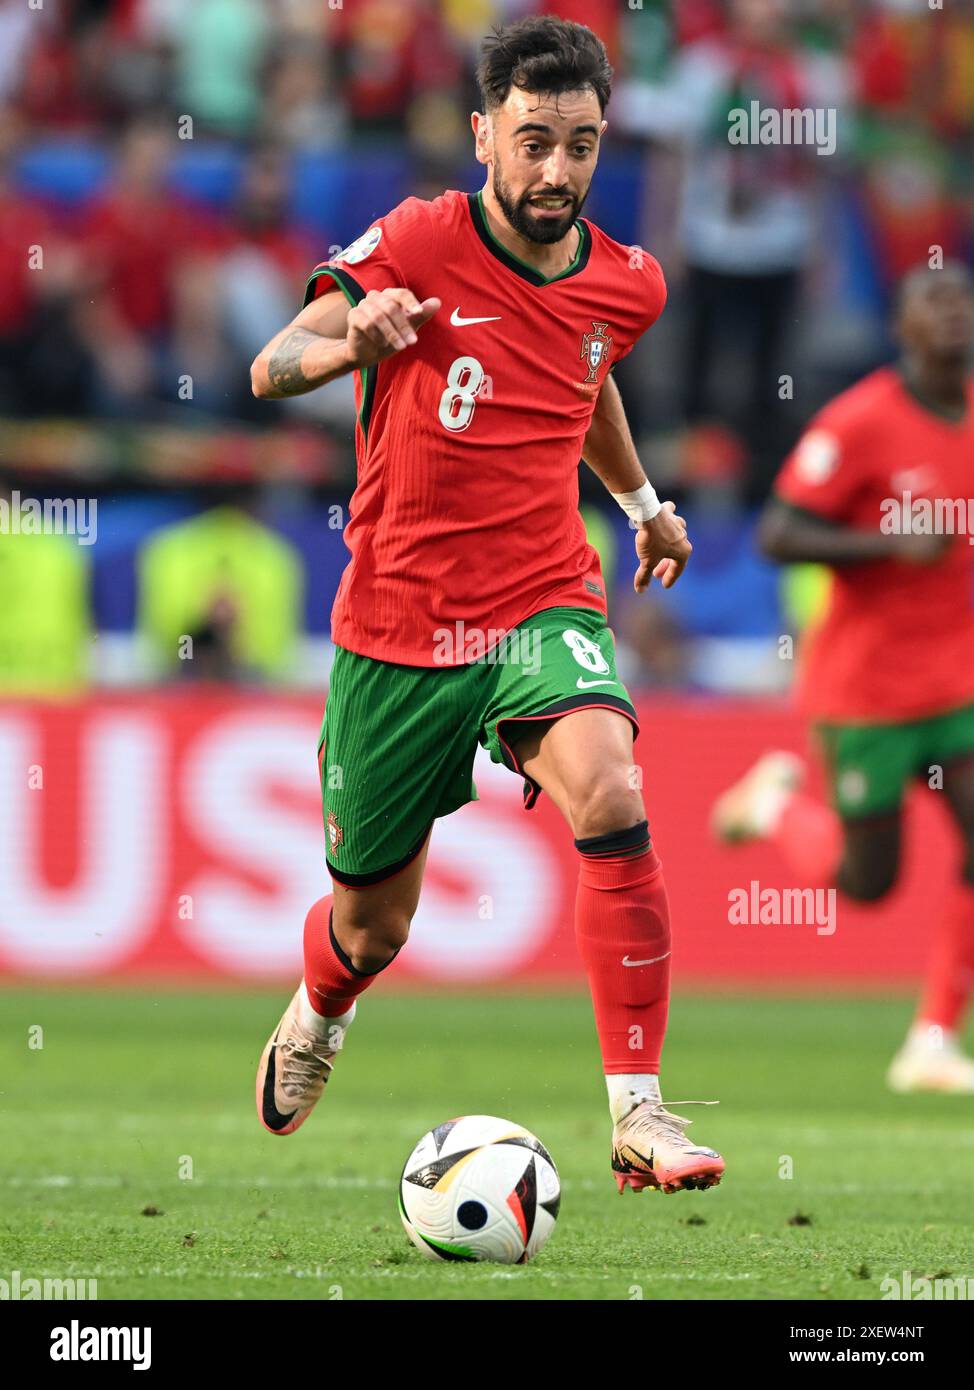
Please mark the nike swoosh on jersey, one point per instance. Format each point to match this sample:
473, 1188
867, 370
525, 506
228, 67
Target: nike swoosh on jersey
583, 684
459, 322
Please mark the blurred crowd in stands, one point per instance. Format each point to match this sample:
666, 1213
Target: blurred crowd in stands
170, 170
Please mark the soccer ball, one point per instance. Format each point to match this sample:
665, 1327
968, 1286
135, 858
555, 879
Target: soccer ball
479, 1188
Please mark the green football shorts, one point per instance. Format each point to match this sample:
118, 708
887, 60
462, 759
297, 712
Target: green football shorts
870, 765
397, 742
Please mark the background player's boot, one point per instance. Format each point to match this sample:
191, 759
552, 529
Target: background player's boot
920, 1065
650, 1148
748, 810
294, 1067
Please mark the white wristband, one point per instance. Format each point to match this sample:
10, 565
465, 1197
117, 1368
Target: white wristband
641, 505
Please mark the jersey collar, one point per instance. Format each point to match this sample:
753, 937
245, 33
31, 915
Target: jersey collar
948, 417
519, 267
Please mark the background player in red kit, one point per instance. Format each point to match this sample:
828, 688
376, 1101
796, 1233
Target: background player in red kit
483, 329
888, 674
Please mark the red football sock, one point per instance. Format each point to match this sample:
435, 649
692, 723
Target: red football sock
809, 836
332, 982
621, 918
950, 972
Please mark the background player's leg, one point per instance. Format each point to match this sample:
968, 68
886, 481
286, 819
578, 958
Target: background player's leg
859, 855
808, 835
950, 974
870, 856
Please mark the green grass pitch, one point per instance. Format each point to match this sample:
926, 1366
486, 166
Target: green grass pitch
132, 1092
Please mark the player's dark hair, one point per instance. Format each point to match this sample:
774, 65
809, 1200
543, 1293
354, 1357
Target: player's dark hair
545, 55
922, 275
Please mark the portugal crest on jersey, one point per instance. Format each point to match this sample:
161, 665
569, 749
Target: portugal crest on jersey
595, 349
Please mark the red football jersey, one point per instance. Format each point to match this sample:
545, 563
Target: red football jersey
468, 444
897, 640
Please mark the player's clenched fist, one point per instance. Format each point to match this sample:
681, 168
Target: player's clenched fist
663, 549
384, 322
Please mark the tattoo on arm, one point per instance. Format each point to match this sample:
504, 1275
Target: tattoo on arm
284, 368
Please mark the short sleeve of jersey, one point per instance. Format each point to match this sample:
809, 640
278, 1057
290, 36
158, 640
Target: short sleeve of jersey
649, 296
394, 252
828, 468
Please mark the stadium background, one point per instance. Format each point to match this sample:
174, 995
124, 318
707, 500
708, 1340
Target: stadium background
180, 167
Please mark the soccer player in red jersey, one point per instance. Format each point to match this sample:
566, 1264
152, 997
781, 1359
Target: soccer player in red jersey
482, 329
879, 489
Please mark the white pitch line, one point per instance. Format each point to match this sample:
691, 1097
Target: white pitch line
143, 1181
469, 1274
261, 1183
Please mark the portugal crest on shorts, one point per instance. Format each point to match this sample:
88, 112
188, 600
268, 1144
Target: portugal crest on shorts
595, 349
336, 836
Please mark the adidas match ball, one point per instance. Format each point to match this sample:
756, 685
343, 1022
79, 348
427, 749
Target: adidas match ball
479, 1188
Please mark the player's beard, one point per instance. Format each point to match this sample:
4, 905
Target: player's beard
545, 231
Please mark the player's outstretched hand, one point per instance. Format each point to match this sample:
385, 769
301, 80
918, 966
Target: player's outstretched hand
921, 549
384, 322
662, 548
